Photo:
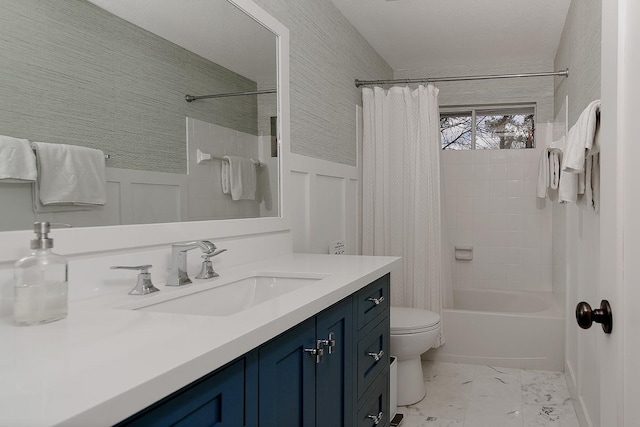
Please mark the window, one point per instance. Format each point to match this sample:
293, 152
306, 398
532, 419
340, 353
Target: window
487, 128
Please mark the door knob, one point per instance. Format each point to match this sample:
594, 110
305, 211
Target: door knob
586, 316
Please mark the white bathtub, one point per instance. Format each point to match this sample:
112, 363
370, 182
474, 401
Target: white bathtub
503, 328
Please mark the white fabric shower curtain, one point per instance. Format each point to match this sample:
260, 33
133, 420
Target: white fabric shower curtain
402, 199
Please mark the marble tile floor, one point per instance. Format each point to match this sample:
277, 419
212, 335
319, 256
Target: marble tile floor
460, 395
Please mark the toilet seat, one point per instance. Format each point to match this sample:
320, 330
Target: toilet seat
405, 321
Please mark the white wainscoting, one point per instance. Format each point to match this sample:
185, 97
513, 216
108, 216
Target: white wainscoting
133, 197
324, 205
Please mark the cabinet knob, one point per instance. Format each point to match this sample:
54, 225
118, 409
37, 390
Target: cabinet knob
376, 418
377, 356
317, 352
376, 301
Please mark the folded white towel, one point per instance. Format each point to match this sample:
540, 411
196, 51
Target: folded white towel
242, 178
580, 139
224, 176
17, 160
69, 177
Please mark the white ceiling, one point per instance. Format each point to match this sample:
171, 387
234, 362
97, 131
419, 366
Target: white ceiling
213, 29
414, 34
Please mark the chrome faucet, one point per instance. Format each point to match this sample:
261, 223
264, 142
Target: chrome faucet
178, 275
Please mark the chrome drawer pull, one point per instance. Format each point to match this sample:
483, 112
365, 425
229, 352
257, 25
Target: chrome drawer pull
376, 301
377, 356
376, 418
316, 352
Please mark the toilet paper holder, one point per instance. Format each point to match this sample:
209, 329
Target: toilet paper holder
464, 253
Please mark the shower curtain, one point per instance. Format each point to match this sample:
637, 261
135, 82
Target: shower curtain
402, 201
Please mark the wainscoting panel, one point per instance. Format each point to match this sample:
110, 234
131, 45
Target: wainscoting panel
324, 204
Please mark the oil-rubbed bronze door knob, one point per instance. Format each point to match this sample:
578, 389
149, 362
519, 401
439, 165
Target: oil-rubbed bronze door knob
586, 316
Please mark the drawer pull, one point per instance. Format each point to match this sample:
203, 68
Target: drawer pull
376, 301
376, 418
377, 356
316, 352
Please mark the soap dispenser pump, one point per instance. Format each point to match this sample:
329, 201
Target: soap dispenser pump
41, 283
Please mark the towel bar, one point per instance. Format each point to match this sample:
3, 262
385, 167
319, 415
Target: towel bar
203, 157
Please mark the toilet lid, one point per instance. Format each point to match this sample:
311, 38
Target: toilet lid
412, 320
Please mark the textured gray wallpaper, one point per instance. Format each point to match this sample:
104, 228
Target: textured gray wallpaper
75, 74
327, 55
579, 50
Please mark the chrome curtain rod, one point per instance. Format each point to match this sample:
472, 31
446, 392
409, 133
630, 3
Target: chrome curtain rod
191, 98
563, 73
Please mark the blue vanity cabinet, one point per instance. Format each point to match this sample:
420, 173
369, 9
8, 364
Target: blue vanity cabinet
224, 398
287, 378
306, 374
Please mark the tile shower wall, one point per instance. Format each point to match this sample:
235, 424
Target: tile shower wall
206, 200
491, 204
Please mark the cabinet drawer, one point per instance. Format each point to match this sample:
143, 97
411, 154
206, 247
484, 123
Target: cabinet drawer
372, 300
373, 355
374, 408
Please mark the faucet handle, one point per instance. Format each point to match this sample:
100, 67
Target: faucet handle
144, 285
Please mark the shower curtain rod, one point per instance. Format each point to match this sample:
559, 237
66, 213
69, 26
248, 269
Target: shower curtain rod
191, 98
563, 73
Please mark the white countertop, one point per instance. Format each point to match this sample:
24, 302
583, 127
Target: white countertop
104, 363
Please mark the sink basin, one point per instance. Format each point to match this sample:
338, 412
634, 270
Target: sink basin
234, 296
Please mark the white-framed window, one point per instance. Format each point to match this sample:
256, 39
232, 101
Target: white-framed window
493, 127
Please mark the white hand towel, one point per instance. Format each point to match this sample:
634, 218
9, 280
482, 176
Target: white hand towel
543, 174
17, 160
580, 139
242, 178
568, 187
69, 177
224, 176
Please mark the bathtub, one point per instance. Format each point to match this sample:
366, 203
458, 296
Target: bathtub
503, 328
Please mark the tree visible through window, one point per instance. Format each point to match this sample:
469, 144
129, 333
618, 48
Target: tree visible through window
487, 128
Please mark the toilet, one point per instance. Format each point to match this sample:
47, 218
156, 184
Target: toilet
413, 332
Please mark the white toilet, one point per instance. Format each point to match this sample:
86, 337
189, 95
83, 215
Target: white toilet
413, 332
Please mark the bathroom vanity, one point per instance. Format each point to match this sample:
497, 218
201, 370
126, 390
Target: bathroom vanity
317, 355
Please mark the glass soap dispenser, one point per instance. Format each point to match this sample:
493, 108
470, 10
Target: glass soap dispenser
40, 281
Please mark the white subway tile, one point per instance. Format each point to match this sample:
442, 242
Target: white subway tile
463, 237
499, 188
531, 239
515, 223
513, 273
482, 222
513, 256
449, 157
464, 221
498, 205
465, 157
482, 271
481, 157
482, 188
498, 222
499, 238
481, 172
498, 156
513, 239
515, 188
482, 205
463, 270
482, 254
499, 254
482, 238
498, 171
515, 171
515, 155
464, 204
531, 256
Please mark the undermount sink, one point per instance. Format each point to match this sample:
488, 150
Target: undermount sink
235, 296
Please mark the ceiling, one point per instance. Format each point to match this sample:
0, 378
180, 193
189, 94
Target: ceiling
415, 34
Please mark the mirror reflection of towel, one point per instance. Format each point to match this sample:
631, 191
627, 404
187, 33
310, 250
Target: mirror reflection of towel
17, 160
69, 178
242, 178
